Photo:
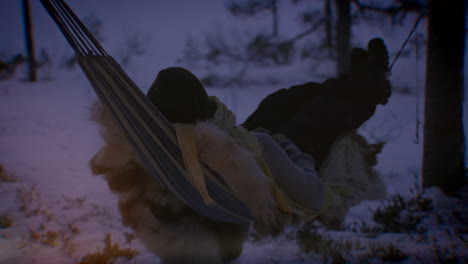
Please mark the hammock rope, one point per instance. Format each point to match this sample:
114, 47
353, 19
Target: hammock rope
150, 134
413, 29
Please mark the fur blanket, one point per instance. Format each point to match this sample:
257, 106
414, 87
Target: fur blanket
349, 171
159, 219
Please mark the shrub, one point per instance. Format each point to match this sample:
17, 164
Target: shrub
391, 253
5, 176
309, 238
5, 221
403, 215
109, 254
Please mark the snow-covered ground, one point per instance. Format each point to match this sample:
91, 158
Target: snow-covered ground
60, 212
53, 210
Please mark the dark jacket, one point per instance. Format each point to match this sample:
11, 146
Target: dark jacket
314, 115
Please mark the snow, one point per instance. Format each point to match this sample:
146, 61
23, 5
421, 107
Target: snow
61, 212
46, 141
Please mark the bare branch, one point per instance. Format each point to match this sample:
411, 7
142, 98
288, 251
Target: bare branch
397, 11
305, 33
391, 10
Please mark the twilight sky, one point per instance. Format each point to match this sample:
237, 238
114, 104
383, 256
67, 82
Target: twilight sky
165, 26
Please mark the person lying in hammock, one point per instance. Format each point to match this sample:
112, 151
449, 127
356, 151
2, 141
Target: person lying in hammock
251, 163
278, 182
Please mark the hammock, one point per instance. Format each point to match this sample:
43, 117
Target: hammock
152, 137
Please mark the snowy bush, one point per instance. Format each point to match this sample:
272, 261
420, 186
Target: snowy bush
403, 215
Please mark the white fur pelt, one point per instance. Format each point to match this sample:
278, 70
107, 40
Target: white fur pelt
161, 221
239, 169
349, 168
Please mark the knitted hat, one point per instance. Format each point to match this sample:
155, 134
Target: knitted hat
180, 96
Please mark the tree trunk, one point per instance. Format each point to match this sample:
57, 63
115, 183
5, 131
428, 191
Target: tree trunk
328, 25
274, 12
343, 35
444, 149
32, 66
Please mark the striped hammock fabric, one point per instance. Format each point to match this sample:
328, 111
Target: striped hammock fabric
149, 133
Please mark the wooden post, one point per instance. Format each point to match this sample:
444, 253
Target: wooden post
28, 30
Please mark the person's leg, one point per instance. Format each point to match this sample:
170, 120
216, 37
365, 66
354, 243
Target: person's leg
293, 170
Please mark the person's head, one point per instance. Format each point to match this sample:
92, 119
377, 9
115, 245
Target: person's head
180, 96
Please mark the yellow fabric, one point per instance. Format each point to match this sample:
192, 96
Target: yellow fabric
286, 204
188, 146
